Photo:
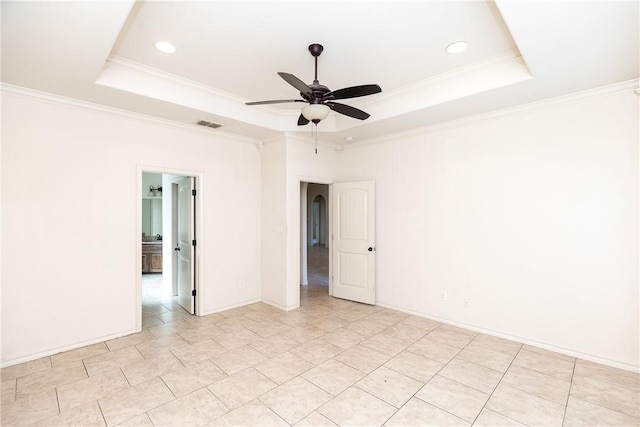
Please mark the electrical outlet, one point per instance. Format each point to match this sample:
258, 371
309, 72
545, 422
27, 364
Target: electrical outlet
467, 303
443, 296
241, 283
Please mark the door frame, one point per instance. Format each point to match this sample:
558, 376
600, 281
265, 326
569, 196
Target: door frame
198, 175
298, 230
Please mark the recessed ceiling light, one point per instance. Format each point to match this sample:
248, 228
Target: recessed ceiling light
457, 47
165, 47
349, 139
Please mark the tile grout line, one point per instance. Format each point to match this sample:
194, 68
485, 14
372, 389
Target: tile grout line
380, 399
101, 412
414, 394
566, 404
300, 375
610, 409
434, 375
125, 377
168, 388
85, 368
547, 375
58, 400
526, 392
439, 370
496, 387
611, 384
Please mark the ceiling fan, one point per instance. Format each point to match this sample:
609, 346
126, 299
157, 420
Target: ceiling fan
319, 98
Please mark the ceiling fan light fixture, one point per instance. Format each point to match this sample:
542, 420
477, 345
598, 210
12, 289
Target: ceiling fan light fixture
314, 112
165, 47
457, 47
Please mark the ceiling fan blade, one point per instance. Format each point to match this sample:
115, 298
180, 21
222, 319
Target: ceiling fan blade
296, 82
302, 120
348, 110
353, 92
275, 101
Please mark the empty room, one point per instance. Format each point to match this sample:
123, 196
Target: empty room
320, 213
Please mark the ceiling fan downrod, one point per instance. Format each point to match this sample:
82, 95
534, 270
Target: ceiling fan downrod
316, 49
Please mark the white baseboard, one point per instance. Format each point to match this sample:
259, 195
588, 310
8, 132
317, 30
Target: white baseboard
51, 352
516, 338
281, 307
229, 307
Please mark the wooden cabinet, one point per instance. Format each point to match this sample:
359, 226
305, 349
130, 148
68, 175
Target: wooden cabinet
152, 257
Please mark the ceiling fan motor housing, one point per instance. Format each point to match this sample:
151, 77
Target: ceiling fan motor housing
318, 92
316, 49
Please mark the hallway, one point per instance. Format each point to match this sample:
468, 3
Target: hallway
318, 265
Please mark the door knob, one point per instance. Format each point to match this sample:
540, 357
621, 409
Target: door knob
177, 248
370, 249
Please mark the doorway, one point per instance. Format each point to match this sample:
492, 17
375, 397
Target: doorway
318, 220
314, 237
167, 230
157, 298
349, 265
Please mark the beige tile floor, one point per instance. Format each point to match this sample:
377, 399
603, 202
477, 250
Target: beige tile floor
331, 362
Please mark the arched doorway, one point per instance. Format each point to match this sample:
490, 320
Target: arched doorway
319, 221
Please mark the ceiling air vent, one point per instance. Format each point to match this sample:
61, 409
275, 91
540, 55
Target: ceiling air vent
209, 124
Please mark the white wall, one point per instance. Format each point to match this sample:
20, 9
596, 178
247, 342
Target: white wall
532, 216
274, 222
69, 220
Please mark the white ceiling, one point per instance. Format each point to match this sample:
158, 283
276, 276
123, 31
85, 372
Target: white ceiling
228, 53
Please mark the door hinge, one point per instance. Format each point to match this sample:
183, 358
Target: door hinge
193, 243
193, 192
193, 293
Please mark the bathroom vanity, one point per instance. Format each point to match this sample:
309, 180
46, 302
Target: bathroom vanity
152, 257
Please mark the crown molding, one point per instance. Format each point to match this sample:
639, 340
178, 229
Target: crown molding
182, 81
576, 97
603, 91
132, 77
498, 71
487, 74
445, 77
22, 92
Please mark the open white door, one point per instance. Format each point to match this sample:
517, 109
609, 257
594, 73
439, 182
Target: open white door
186, 244
353, 248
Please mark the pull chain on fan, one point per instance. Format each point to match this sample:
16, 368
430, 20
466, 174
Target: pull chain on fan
315, 128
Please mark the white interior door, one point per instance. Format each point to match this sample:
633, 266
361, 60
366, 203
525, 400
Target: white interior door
186, 244
353, 249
